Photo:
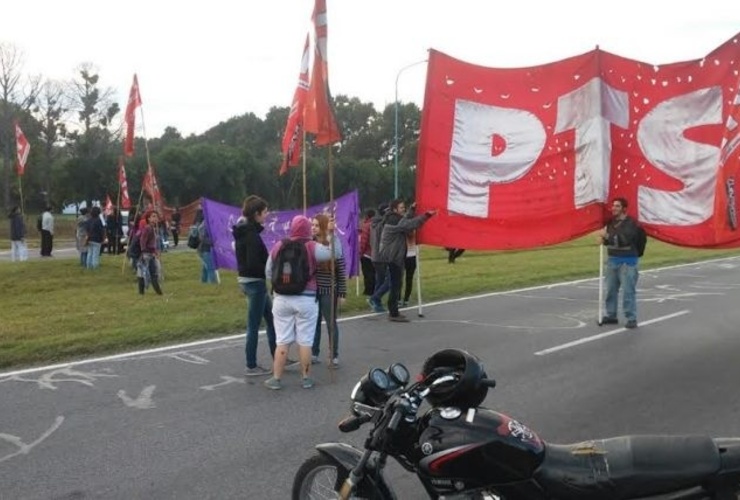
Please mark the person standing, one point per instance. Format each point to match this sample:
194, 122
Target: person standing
409, 266
328, 279
95, 237
295, 313
176, 220
205, 252
18, 248
147, 268
81, 235
382, 282
620, 238
392, 252
47, 232
366, 261
251, 259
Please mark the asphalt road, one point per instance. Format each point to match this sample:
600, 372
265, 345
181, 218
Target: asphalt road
184, 423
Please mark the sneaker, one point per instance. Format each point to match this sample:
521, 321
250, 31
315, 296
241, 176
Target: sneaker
399, 319
631, 324
315, 360
608, 320
335, 363
377, 307
273, 383
256, 371
307, 382
290, 363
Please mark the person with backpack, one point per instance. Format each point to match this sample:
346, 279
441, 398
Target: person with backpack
208, 273
624, 241
291, 267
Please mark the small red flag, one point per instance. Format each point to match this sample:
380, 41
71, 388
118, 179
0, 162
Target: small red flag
151, 187
320, 119
293, 136
134, 101
108, 210
22, 148
123, 183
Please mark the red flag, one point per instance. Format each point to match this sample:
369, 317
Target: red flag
730, 159
108, 210
293, 136
319, 118
151, 187
22, 148
123, 183
134, 101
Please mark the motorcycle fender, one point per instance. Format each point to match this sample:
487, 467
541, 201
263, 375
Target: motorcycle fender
348, 457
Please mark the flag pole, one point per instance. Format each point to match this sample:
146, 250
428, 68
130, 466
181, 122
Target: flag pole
601, 284
420, 311
305, 192
333, 267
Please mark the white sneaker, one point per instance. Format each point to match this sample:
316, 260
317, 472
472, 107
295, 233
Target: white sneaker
335, 362
256, 371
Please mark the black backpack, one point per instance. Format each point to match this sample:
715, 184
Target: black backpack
193, 237
640, 241
290, 268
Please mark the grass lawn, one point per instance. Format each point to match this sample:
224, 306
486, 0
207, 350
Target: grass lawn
52, 310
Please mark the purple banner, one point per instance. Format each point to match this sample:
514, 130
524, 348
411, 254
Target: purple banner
221, 218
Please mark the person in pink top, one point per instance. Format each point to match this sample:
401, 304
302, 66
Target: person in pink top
295, 314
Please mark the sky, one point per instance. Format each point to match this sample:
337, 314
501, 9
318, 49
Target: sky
201, 63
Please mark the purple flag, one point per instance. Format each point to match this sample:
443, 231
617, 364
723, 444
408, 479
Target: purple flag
221, 218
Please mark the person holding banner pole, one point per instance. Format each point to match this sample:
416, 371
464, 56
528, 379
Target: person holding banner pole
18, 248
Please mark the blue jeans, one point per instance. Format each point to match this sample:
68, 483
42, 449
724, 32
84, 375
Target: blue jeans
208, 270
623, 275
325, 312
382, 281
93, 255
260, 306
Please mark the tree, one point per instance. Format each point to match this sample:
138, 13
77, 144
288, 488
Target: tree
91, 169
15, 97
51, 113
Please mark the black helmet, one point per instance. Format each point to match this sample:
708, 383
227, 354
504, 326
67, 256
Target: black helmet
468, 391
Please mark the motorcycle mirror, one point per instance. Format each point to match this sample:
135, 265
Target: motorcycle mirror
399, 374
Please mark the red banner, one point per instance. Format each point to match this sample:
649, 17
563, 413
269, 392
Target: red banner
150, 186
22, 149
123, 184
134, 101
519, 158
293, 136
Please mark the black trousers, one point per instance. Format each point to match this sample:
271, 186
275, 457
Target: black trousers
47, 243
410, 267
368, 275
395, 273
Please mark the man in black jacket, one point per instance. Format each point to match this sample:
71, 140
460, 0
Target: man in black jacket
392, 249
620, 237
251, 258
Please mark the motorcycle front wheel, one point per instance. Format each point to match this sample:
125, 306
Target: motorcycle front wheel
320, 478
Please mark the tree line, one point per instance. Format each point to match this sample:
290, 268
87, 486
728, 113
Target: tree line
75, 131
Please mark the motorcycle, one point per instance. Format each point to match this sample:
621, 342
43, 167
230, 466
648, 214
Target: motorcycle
458, 449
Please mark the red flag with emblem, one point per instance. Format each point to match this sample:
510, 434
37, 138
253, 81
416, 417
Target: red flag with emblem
22, 148
108, 210
319, 119
293, 136
150, 186
123, 183
134, 101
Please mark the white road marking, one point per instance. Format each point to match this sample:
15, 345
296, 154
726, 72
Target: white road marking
143, 402
23, 448
139, 354
606, 334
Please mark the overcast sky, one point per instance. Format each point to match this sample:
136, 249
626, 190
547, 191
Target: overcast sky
200, 63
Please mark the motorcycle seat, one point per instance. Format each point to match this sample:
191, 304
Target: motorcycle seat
627, 467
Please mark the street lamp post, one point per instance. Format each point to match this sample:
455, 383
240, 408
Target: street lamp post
395, 130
